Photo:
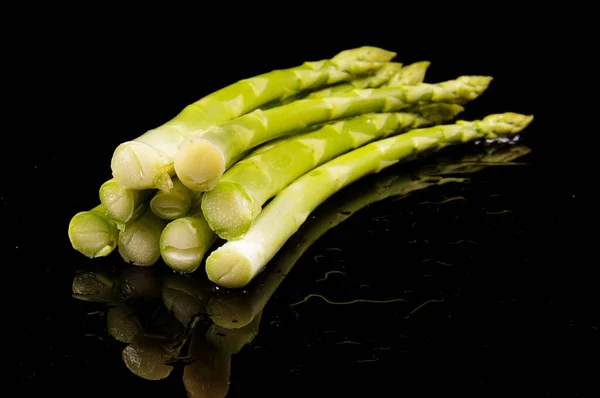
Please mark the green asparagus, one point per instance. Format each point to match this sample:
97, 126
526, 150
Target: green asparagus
237, 262
202, 160
122, 204
147, 161
185, 241
236, 200
173, 204
139, 241
93, 233
236, 309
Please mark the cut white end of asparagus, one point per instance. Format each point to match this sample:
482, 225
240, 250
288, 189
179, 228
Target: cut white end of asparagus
139, 241
93, 233
173, 204
237, 262
121, 204
231, 208
137, 165
199, 164
185, 241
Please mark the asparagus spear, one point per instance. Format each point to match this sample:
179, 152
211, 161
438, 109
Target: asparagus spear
93, 233
380, 77
139, 240
173, 204
146, 161
236, 200
236, 309
122, 204
237, 262
202, 160
185, 241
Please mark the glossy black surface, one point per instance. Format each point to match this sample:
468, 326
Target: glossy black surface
512, 308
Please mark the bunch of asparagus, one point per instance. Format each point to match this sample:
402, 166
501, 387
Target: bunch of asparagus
289, 139
163, 319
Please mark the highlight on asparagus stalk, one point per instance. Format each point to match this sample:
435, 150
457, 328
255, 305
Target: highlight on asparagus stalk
173, 204
237, 199
147, 161
236, 309
93, 233
122, 204
202, 160
237, 262
139, 241
185, 241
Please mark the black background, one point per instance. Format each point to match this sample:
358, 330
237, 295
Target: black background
519, 316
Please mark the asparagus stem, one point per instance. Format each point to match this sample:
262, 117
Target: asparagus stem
139, 240
146, 161
236, 309
237, 199
185, 241
173, 204
93, 233
202, 160
379, 78
237, 262
122, 204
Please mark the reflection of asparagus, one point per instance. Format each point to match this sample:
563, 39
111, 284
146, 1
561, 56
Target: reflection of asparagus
238, 261
236, 309
184, 298
208, 375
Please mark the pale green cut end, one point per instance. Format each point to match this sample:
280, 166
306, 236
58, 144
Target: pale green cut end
120, 203
93, 234
183, 244
231, 311
199, 164
229, 210
229, 268
139, 243
170, 207
136, 165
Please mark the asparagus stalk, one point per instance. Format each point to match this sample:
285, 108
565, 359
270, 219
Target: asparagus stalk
146, 161
93, 233
237, 199
173, 204
139, 240
235, 309
122, 204
237, 262
203, 159
378, 79
185, 241
407, 75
